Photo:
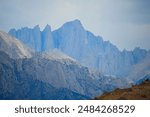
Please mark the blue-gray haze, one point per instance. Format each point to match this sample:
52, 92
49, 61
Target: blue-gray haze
126, 23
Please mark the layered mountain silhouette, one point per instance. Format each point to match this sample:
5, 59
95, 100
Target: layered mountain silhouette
68, 63
17, 83
82, 45
51, 71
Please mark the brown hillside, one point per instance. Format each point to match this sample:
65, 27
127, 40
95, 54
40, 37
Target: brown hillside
137, 92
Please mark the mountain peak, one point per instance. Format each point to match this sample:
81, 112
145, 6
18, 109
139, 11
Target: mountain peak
47, 27
75, 24
76, 21
12, 31
37, 27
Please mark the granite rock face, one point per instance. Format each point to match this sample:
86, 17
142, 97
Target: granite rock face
68, 63
47, 71
90, 50
13, 47
34, 38
16, 83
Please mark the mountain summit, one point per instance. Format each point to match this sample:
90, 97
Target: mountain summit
74, 24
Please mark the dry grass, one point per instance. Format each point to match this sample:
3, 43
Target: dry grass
137, 92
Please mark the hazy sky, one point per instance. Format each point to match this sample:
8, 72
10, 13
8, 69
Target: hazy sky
125, 23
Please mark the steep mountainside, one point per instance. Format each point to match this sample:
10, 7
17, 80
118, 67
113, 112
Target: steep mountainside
140, 70
34, 38
59, 61
52, 69
18, 84
90, 50
13, 47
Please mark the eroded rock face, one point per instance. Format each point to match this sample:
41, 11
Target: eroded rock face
13, 47
53, 70
34, 38
90, 50
50, 68
54, 74
17, 83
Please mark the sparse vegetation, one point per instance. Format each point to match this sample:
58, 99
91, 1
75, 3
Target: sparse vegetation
136, 92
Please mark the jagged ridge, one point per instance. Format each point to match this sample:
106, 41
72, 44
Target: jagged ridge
90, 50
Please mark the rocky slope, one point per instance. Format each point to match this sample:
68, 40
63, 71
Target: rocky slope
136, 92
34, 38
19, 84
50, 71
140, 70
13, 47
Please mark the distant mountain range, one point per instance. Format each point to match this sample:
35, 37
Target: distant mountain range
68, 63
90, 50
